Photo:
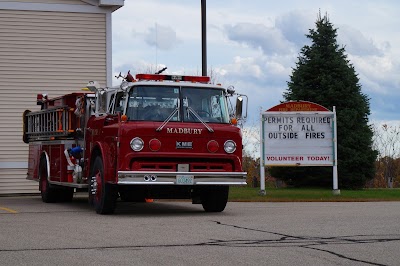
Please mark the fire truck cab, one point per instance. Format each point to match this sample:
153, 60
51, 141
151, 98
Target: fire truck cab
153, 137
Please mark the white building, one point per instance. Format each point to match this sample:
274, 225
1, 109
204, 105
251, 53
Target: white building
46, 46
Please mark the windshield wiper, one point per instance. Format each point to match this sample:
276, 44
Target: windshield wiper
199, 118
168, 119
176, 110
188, 109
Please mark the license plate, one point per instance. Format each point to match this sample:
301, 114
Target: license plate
184, 180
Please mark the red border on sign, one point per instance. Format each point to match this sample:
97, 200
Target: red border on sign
298, 106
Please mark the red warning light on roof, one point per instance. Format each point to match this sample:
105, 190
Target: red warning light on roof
156, 77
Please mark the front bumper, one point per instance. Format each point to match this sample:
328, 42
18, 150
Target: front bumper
171, 178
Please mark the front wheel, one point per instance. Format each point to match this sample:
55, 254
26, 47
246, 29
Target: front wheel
214, 198
102, 196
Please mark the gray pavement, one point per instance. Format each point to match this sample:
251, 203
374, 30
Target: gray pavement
179, 233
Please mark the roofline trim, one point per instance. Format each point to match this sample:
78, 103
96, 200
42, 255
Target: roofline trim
114, 4
91, 2
57, 7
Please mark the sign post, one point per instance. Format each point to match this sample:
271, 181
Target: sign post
336, 190
262, 162
299, 134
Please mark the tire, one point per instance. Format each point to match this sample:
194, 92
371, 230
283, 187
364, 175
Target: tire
49, 194
214, 198
102, 196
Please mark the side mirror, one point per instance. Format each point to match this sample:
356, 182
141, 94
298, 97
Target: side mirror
239, 107
92, 106
101, 102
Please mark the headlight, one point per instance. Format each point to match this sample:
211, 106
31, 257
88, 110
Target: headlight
230, 146
137, 144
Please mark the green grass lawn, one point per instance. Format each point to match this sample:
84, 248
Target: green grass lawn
303, 194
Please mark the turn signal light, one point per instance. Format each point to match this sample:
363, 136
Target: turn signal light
212, 146
154, 145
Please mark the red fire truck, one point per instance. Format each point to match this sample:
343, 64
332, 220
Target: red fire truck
153, 137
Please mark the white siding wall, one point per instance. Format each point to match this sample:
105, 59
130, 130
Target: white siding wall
13, 181
42, 52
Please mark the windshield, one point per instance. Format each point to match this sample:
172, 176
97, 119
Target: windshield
188, 104
209, 104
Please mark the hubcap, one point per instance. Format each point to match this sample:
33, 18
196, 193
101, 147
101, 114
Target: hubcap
95, 186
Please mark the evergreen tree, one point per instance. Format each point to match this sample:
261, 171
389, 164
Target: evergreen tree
324, 75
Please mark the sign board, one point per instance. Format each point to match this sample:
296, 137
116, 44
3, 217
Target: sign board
298, 134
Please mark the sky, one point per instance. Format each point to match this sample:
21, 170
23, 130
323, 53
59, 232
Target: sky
254, 45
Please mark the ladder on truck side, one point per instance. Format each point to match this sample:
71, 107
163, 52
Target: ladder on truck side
49, 124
